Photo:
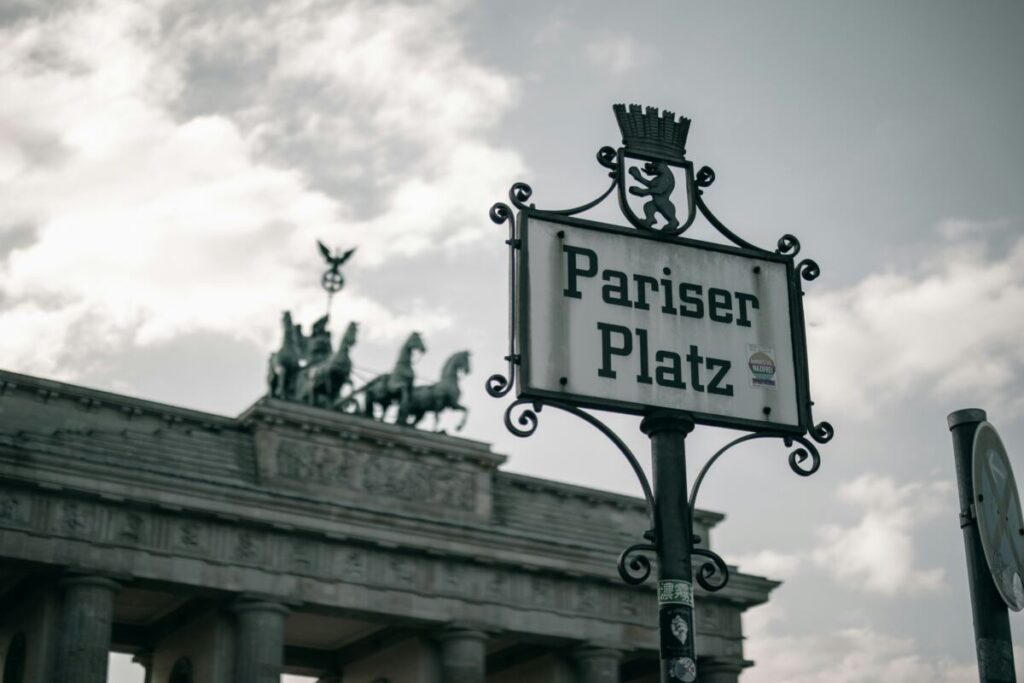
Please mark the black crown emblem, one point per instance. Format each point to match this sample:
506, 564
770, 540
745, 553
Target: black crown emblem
648, 134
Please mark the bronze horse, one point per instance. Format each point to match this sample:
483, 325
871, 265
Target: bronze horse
396, 385
284, 364
320, 383
433, 398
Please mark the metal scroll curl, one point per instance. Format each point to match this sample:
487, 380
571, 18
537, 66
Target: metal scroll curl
712, 574
634, 566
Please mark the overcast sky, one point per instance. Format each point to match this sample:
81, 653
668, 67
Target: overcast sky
166, 167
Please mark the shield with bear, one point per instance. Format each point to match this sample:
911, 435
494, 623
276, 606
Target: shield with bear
656, 186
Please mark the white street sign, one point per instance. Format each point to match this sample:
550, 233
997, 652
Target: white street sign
615, 319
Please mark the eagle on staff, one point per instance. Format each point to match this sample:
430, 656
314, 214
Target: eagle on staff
332, 279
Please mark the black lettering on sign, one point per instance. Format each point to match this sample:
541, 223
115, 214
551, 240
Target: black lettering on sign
616, 294
691, 305
666, 288
671, 373
645, 374
575, 269
695, 360
719, 305
744, 299
624, 347
715, 386
641, 293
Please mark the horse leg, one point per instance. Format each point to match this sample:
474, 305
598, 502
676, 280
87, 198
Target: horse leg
465, 415
403, 407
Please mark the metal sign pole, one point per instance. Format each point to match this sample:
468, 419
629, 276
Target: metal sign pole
991, 617
674, 539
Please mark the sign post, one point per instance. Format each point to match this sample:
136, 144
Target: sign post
681, 332
989, 608
673, 529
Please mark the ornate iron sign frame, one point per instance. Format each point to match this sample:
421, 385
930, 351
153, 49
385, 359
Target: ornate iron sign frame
522, 330
658, 140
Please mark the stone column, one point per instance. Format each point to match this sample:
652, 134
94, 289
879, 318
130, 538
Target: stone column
463, 655
259, 640
86, 619
719, 670
597, 664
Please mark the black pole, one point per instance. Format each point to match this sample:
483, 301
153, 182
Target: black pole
991, 617
673, 530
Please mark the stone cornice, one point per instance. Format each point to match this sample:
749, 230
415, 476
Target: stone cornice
51, 391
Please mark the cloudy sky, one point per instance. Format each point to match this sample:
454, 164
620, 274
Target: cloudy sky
166, 167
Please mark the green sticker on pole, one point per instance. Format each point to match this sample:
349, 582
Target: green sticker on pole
674, 592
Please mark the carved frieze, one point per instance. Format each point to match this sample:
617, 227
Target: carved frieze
377, 474
14, 508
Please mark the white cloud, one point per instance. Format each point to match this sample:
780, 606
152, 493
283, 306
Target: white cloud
149, 223
616, 54
770, 563
847, 655
877, 553
953, 329
850, 655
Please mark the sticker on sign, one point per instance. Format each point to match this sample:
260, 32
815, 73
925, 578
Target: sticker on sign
617, 320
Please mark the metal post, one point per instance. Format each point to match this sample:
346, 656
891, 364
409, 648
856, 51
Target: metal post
673, 533
991, 617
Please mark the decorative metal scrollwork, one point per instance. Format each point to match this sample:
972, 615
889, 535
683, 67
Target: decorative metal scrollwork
713, 567
634, 566
788, 245
705, 176
808, 269
823, 432
526, 423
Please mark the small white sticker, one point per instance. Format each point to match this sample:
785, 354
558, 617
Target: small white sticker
684, 669
673, 592
761, 364
680, 629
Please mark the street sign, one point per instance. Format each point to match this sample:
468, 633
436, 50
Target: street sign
633, 321
647, 322
997, 508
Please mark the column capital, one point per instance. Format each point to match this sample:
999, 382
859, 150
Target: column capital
89, 580
457, 631
247, 603
594, 649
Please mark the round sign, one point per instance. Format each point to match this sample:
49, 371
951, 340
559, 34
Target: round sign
997, 508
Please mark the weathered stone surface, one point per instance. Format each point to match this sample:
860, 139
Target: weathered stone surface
463, 655
87, 614
331, 512
259, 640
597, 664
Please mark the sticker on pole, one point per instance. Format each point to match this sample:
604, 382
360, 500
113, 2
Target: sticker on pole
997, 508
674, 592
